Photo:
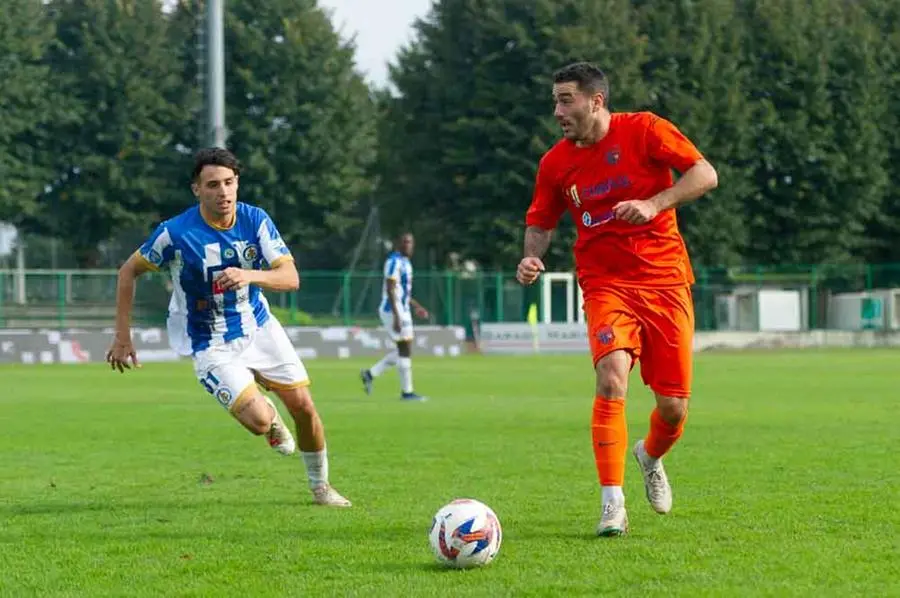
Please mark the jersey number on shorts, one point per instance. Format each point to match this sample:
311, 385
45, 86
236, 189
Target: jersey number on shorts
210, 383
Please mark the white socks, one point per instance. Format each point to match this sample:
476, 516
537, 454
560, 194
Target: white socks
316, 467
387, 362
404, 368
612, 495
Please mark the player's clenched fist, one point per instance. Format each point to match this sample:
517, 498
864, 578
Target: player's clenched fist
529, 269
636, 211
234, 278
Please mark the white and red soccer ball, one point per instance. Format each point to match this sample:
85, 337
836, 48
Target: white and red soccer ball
465, 533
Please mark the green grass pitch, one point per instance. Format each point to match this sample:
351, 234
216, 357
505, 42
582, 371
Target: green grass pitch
786, 483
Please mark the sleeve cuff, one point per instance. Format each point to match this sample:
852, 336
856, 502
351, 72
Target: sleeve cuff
281, 259
147, 263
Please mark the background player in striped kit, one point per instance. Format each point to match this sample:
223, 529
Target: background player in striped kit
396, 311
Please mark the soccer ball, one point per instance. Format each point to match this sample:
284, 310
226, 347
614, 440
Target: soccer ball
465, 533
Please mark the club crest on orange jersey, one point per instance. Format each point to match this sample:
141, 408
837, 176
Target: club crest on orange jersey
573, 192
606, 335
613, 155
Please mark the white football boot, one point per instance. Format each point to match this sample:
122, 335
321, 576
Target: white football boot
327, 496
613, 521
659, 493
279, 435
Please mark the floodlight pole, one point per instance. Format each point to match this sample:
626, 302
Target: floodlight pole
215, 64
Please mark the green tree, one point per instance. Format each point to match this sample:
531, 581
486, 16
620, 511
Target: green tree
861, 96
884, 228
818, 166
31, 107
302, 121
115, 61
473, 114
698, 79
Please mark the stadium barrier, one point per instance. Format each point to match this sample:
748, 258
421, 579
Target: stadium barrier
847, 296
518, 339
84, 346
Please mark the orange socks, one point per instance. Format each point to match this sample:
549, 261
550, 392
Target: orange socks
610, 435
662, 435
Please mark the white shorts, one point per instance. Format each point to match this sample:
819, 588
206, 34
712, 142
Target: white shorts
406, 325
230, 371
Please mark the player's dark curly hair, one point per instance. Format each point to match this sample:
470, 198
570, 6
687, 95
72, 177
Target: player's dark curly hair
589, 77
214, 156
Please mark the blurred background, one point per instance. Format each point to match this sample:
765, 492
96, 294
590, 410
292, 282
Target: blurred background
356, 120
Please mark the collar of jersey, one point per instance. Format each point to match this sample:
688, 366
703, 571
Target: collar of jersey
216, 226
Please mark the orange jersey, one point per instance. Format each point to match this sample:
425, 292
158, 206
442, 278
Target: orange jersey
633, 161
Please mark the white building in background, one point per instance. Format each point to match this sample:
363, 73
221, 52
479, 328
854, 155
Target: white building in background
8, 236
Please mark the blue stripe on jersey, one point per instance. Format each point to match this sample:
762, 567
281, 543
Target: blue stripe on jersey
260, 313
233, 324
404, 287
390, 269
199, 331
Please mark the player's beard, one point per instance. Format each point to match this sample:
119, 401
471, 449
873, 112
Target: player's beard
576, 127
582, 129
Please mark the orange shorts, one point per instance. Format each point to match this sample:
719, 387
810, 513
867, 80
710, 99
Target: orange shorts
655, 325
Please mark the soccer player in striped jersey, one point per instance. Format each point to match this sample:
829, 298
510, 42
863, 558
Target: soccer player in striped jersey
221, 255
396, 310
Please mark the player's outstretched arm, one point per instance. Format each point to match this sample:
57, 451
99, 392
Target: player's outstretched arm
122, 350
537, 241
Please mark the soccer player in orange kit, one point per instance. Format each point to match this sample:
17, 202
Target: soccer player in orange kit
613, 171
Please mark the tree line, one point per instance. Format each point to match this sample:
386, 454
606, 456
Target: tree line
796, 102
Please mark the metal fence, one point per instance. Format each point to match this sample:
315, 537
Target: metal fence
847, 296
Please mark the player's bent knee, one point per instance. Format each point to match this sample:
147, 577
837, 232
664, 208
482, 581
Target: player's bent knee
612, 374
672, 409
255, 415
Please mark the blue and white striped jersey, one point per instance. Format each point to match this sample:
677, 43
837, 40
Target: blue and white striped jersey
196, 252
397, 267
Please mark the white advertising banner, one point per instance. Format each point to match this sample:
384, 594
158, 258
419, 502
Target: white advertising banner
522, 338
543, 338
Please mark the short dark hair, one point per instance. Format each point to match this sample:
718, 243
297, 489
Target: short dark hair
589, 77
214, 156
